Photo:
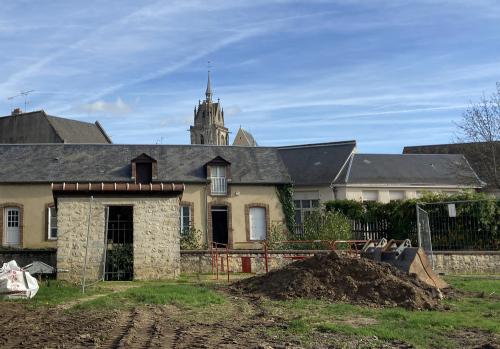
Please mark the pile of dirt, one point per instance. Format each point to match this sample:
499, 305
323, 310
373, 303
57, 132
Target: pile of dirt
346, 279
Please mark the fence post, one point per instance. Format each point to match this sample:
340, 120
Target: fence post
265, 256
419, 237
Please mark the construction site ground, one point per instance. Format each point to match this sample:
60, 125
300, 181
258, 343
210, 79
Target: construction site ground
197, 312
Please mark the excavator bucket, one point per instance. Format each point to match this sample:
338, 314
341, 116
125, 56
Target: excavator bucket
411, 260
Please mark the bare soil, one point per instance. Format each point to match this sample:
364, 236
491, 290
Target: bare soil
247, 325
346, 279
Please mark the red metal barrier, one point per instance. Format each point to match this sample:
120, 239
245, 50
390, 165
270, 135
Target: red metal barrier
215, 249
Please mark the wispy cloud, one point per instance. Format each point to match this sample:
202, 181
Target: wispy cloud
118, 107
314, 70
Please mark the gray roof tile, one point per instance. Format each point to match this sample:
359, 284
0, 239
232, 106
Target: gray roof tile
316, 164
409, 169
111, 163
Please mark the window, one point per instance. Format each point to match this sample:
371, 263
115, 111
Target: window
395, 195
185, 218
51, 223
202, 140
370, 195
258, 224
144, 173
218, 180
144, 169
302, 209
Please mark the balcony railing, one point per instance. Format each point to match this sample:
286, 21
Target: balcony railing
219, 185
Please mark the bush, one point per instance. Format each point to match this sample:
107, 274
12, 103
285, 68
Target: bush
326, 225
191, 239
277, 234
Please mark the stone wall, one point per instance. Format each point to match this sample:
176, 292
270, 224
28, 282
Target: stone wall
446, 262
156, 236
467, 262
201, 261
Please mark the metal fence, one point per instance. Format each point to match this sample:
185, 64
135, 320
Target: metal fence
440, 226
460, 225
371, 230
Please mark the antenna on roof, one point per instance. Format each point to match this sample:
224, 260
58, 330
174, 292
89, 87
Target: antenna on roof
22, 93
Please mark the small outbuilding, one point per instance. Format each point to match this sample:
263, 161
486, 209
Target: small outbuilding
117, 231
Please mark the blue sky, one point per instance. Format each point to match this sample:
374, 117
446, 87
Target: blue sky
386, 73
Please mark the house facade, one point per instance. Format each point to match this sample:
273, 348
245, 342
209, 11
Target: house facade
95, 200
229, 192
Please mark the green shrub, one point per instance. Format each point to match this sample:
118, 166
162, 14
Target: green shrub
326, 225
277, 234
120, 258
191, 239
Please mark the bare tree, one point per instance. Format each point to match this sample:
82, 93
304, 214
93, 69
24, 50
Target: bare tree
480, 129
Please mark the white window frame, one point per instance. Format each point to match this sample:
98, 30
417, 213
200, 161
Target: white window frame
181, 218
252, 236
398, 198
363, 197
49, 223
313, 204
218, 180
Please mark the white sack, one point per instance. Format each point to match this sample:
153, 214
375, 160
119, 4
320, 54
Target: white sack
16, 283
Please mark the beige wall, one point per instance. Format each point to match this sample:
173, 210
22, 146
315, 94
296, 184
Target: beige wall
240, 195
34, 198
356, 193
324, 193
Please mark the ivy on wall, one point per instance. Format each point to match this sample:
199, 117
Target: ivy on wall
285, 195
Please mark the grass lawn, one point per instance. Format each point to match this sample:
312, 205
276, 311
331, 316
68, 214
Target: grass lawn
200, 299
423, 329
54, 292
180, 294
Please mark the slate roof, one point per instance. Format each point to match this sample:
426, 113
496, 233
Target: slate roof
479, 160
74, 131
304, 165
112, 163
38, 127
409, 169
316, 164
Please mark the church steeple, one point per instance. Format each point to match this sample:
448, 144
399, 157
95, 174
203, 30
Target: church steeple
208, 92
208, 127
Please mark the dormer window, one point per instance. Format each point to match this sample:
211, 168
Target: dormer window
219, 180
144, 169
218, 173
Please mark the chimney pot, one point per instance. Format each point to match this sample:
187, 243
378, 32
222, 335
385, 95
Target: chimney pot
17, 111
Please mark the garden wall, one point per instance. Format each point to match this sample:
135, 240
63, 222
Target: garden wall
447, 262
467, 262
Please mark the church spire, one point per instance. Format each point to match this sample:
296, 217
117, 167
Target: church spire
208, 92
